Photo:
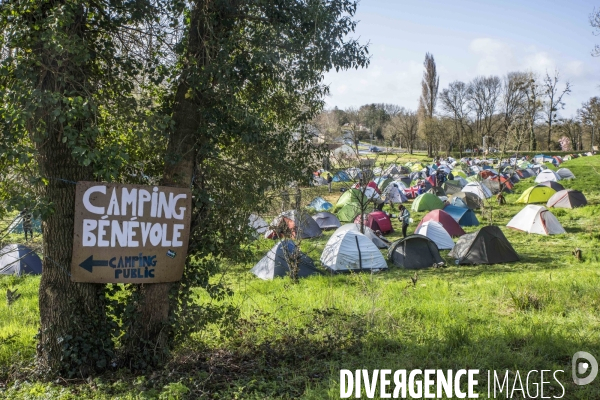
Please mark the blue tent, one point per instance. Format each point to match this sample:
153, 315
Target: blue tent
464, 216
16, 259
341, 176
320, 204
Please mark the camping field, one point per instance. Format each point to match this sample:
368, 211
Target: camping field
291, 340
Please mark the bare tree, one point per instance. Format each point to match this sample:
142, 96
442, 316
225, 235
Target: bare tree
483, 101
590, 117
553, 101
512, 103
429, 93
571, 128
403, 128
454, 101
533, 106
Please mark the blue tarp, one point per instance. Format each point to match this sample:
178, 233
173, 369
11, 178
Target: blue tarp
320, 204
341, 176
464, 216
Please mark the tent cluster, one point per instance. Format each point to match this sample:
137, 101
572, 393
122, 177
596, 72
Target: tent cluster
451, 206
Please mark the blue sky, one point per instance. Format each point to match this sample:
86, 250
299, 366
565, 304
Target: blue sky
468, 38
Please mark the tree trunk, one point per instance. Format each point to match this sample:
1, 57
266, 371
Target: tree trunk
75, 338
150, 332
72, 315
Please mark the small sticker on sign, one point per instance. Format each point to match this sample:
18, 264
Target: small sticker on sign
171, 253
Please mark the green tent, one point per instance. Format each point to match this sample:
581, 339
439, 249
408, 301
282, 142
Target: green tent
459, 172
348, 205
473, 178
427, 202
536, 194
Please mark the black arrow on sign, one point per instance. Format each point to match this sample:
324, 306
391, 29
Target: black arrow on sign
89, 263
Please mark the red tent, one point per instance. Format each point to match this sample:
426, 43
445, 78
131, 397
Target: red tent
449, 224
377, 221
486, 173
506, 182
371, 184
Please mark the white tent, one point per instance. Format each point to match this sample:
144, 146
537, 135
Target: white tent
395, 194
258, 224
351, 250
377, 241
370, 193
436, 232
478, 189
547, 175
536, 219
565, 173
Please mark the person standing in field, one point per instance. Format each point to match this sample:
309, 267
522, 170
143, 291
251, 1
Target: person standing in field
27, 224
329, 180
404, 217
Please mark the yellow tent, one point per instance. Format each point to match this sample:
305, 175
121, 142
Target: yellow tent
536, 194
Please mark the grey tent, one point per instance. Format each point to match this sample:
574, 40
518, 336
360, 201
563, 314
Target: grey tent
495, 186
16, 259
327, 220
414, 252
468, 199
553, 185
486, 246
297, 224
452, 187
567, 199
565, 173
276, 262
437, 190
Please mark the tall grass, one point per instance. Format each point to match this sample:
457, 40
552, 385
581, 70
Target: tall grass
292, 339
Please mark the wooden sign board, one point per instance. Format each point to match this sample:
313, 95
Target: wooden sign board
130, 233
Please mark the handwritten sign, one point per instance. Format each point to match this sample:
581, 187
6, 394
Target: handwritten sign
130, 233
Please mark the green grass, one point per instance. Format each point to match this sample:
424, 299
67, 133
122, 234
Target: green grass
292, 339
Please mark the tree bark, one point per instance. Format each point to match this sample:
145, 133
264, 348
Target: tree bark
75, 338
72, 315
150, 331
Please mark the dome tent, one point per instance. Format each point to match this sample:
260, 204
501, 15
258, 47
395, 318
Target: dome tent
327, 220
448, 223
351, 251
551, 184
414, 252
536, 219
380, 242
565, 173
567, 199
477, 189
341, 176
349, 204
462, 215
294, 223
436, 232
486, 246
319, 204
452, 187
547, 175
16, 259
276, 262
536, 194
377, 221
466, 199
427, 202
259, 225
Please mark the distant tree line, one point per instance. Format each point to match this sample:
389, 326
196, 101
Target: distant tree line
519, 111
